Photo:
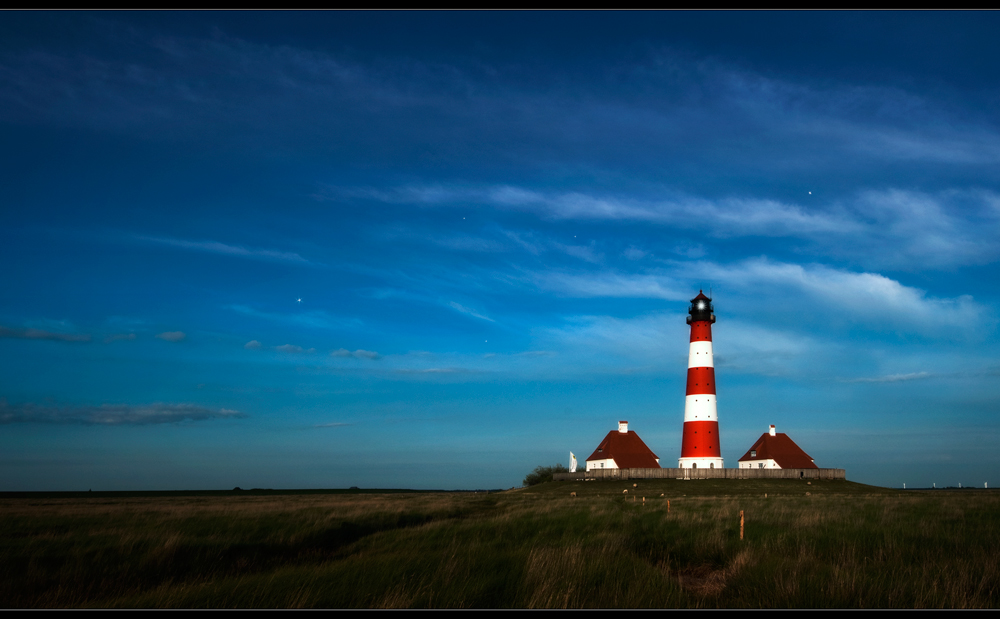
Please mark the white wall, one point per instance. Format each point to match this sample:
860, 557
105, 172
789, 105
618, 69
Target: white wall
601, 464
756, 464
703, 463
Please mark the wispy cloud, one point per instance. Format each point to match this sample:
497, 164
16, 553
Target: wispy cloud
634, 253
919, 230
536, 244
870, 296
723, 217
866, 122
496, 239
112, 414
886, 227
165, 82
216, 247
39, 334
451, 370
116, 337
727, 217
335, 424
357, 354
855, 295
879, 122
892, 378
466, 242
657, 343
464, 310
290, 349
536, 353
293, 349
172, 336
598, 337
613, 284
317, 319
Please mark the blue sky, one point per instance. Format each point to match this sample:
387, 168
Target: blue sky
435, 250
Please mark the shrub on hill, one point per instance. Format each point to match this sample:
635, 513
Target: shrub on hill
542, 474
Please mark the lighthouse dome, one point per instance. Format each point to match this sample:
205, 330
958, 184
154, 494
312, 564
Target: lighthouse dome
701, 308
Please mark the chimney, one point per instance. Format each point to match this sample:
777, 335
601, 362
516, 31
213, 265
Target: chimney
772, 429
623, 427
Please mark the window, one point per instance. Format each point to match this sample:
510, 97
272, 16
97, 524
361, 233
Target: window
753, 453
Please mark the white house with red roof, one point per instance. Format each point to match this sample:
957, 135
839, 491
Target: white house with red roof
774, 450
622, 449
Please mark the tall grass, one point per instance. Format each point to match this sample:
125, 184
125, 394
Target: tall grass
843, 545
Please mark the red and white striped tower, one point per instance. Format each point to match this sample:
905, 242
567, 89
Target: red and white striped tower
700, 443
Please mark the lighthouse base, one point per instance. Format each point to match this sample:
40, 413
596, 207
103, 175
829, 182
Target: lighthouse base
699, 463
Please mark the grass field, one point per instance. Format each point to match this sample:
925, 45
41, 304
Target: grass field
824, 544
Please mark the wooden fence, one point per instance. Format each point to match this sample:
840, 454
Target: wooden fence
611, 474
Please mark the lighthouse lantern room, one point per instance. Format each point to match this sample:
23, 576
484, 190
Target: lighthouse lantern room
700, 442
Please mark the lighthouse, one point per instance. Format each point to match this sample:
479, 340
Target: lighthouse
700, 442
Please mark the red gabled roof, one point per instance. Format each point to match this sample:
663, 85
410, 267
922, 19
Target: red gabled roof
627, 450
782, 450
